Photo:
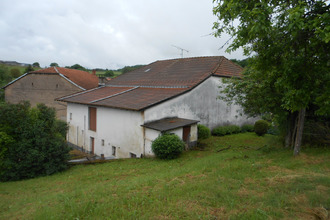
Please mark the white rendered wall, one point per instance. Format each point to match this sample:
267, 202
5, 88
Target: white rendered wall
151, 135
201, 104
119, 128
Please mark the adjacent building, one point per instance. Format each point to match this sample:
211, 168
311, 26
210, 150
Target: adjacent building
43, 86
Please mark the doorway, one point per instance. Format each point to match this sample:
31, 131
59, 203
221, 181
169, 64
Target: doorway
92, 145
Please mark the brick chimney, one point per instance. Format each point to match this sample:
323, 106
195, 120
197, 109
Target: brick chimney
94, 72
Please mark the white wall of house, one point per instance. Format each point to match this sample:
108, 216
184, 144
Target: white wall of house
201, 104
114, 128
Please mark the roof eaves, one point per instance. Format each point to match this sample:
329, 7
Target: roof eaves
14, 80
68, 79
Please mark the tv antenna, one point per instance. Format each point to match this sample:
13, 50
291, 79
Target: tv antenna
179, 48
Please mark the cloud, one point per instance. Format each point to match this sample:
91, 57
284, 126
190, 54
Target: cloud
107, 34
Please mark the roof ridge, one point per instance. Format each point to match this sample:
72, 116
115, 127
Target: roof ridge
110, 96
155, 87
186, 58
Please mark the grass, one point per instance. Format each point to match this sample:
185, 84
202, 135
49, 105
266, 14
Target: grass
254, 179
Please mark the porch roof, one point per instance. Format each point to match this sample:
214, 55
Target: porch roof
167, 124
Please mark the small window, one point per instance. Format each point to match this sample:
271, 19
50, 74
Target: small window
102, 142
32, 84
70, 116
92, 118
113, 151
56, 86
132, 155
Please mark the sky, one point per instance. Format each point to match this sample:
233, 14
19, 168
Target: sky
107, 33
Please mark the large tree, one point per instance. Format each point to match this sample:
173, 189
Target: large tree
289, 69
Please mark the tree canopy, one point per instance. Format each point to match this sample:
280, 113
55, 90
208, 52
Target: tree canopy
54, 65
77, 67
36, 64
289, 68
32, 142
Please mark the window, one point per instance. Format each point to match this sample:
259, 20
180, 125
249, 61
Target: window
132, 155
92, 118
102, 142
113, 151
56, 86
70, 116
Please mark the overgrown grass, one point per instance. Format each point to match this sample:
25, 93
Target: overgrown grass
253, 179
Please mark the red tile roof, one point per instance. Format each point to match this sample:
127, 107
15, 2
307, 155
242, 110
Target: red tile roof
81, 78
178, 72
132, 98
156, 82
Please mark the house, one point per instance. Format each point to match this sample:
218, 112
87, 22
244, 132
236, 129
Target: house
123, 117
43, 86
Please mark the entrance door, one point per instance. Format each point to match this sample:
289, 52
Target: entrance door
186, 134
92, 145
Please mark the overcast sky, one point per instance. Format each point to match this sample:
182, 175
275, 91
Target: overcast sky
107, 33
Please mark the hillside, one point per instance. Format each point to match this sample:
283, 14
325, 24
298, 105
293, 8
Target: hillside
254, 179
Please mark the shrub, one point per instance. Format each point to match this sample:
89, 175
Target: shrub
224, 130
14, 72
167, 146
219, 131
233, 129
247, 128
261, 127
35, 142
203, 132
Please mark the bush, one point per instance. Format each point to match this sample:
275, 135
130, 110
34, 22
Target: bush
224, 130
261, 127
219, 131
34, 142
14, 72
203, 132
167, 146
247, 128
233, 129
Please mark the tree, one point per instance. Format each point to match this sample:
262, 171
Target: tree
109, 73
289, 69
36, 64
29, 68
243, 63
54, 65
32, 142
4, 75
77, 67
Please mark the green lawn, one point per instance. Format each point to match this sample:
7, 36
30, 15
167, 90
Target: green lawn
253, 179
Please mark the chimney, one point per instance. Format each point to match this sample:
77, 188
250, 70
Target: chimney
94, 72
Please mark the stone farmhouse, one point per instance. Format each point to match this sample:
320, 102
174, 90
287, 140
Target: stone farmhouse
123, 117
43, 86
